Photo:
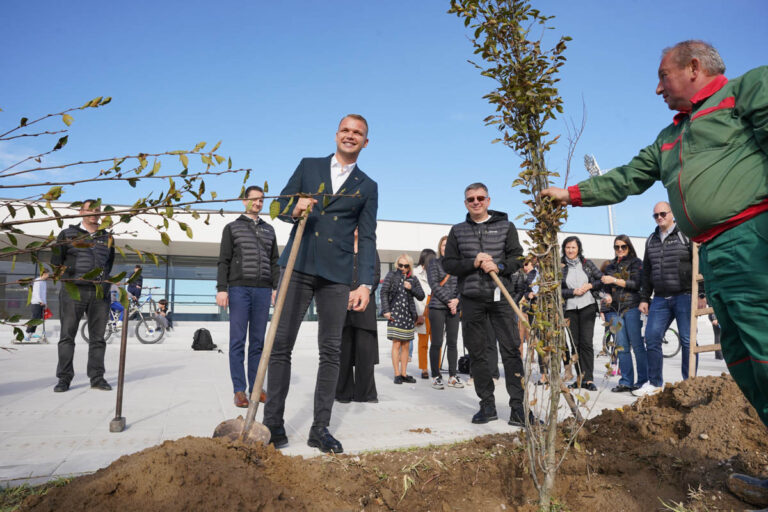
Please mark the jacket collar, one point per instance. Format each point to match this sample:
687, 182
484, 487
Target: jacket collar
494, 216
705, 92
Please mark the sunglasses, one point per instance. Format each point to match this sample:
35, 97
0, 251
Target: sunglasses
620, 247
400, 265
663, 215
479, 199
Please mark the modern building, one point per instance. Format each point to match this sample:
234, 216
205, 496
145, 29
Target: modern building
185, 273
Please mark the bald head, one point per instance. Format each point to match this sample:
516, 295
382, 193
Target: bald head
662, 214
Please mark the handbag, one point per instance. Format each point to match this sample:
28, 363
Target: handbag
47, 314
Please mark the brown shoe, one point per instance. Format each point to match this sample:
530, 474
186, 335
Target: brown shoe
263, 397
240, 399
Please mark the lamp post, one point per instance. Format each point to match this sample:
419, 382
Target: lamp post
594, 170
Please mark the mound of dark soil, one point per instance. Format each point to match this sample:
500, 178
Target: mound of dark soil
676, 446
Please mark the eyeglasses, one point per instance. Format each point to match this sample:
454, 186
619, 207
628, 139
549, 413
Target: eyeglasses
620, 247
401, 266
663, 215
479, 199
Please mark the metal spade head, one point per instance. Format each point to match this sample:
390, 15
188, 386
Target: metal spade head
234, 430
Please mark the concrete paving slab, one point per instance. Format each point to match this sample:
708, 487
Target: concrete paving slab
172, 392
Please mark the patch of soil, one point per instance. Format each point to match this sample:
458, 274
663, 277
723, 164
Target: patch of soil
676, 446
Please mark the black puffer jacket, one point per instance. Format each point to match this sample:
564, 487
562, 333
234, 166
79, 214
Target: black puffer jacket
393, 285
666, 266
248, 255
498, 237
441, 294
593, 276
83, 252
628, 297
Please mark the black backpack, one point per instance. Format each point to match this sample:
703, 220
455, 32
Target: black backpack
464, 364
202, 340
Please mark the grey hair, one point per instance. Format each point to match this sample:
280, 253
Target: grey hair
475, 186
705, 53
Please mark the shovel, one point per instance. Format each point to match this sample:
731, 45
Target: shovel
248, 430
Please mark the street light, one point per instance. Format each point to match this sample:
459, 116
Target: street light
594, 170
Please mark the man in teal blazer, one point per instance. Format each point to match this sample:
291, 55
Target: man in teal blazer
323, 271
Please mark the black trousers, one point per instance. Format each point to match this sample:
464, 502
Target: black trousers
358, 357
476, 317
582, 326
492, 350
70, 313
441, 321
37, 314
331, 300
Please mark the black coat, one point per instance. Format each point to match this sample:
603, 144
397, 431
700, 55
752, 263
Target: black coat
364, 319
441, 295
627, 297
593, 276
392, 286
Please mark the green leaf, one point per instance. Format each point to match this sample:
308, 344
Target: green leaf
12, 211
124, 298
29, 295
288, 206
99, 291
12, 238
117, 278
92, 274
229, 163
23, 121
326, 200
61, 143
72, 290
189, 231
321, 188
18, 333
266, 186
155, 168
165, 238
274, 210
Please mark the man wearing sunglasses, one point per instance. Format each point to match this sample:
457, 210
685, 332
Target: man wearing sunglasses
713, 160
487, 242
666, 277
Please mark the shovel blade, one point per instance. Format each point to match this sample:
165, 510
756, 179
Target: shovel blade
234, 431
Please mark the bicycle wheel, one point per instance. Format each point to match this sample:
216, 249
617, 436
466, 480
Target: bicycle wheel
110, 328
149, 331
670, 343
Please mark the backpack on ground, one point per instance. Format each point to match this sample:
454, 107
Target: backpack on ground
464, 364
202, 340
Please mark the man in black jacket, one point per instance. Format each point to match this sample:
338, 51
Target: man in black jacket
487, 242
83, 249
666, 277
247, 275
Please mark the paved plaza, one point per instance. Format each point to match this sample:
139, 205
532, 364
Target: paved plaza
172, 391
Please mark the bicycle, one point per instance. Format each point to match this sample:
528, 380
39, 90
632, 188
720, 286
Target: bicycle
670, 343
148, 330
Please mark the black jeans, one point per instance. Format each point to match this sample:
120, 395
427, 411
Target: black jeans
476, 316
442, 321
582, 326
70, 313
331, 300
358, 358
37, 314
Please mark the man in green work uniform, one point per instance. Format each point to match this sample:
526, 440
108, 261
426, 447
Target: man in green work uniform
713, 161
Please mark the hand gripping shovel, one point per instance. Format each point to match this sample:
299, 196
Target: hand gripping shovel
248, 430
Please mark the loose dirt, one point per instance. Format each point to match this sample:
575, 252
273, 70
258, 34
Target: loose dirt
674, 447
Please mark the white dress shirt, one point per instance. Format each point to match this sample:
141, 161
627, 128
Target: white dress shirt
339, 174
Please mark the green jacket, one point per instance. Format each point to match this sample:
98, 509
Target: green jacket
713, 161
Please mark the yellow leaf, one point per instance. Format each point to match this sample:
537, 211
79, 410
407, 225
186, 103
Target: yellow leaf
216, 147
200, 145
67, 119
184, 160
219, 158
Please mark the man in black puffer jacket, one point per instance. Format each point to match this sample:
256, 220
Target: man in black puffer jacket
247, 275
666, 276
82, 249
487, 242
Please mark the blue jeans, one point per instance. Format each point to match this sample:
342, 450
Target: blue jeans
631, 335
247, 305
661, 312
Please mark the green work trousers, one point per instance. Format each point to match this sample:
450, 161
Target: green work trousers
735, 270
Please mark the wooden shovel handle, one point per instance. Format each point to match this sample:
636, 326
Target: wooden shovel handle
270, 339
522, 316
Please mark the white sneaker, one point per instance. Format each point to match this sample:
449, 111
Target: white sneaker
455, 382
470, 382
646, 389
437, 383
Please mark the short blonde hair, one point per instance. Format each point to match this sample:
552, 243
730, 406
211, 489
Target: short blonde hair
407, 258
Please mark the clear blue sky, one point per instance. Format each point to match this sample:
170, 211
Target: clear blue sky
272, 79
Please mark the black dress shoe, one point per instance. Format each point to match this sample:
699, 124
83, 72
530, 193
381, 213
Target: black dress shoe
590, 386
484, 415
574, 385
343, 400
409, 379
278, 438
516, 419
621, 388
398, 379
101, 384
61, 387
320, 438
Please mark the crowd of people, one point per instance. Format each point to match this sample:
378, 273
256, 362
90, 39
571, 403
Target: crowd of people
712, 159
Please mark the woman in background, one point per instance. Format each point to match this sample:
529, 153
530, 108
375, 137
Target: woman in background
422, 309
